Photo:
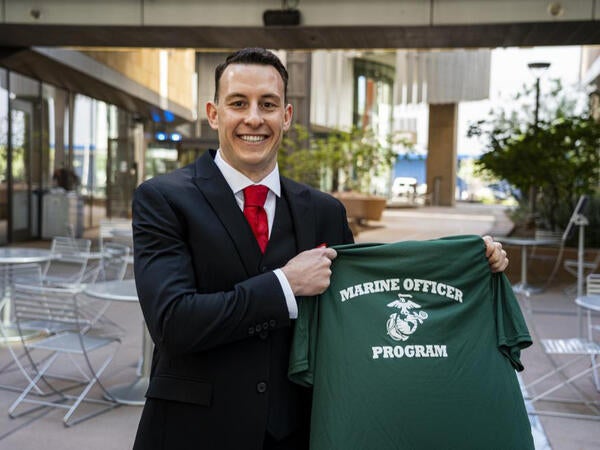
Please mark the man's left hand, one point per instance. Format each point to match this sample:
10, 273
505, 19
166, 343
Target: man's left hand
495, 254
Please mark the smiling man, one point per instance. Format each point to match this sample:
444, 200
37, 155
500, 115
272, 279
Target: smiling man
224, 248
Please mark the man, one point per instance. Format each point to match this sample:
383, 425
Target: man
219, 309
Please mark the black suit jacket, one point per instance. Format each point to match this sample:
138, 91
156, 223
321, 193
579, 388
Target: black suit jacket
216, 313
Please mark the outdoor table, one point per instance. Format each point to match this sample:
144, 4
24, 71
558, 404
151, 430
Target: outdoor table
19, 255
523, 287
591, 303
124, 291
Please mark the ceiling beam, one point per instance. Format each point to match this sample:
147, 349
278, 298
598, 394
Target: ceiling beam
305, 37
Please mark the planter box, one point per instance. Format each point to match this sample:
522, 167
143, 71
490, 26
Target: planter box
362, 207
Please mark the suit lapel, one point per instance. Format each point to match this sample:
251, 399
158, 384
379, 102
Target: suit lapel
217, 192
303, 215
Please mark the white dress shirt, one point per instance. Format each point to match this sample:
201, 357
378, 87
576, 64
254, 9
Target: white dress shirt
237, 181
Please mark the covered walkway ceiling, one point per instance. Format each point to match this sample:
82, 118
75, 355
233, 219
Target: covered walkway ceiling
324, 24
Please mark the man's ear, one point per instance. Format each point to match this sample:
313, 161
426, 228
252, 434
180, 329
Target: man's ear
212, 115
287, 117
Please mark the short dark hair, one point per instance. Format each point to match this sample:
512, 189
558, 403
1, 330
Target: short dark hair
252, 55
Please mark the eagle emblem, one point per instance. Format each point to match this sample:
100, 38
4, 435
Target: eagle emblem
404, 322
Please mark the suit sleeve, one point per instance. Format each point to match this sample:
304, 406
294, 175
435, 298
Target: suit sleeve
179, 318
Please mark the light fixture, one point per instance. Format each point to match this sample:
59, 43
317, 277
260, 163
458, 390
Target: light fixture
286, 16
538, 68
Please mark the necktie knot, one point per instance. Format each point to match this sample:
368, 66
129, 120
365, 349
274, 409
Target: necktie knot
255, 195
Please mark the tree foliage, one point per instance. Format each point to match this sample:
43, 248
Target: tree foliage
335, 161
559, 156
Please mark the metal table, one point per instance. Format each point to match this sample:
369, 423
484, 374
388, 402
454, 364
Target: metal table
523, 287
591, 302
125, 291
19, 255
24, 255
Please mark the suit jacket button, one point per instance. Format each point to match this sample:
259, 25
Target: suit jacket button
264, 334
264, 269
258, 328
261, 387
251, 331
272, 323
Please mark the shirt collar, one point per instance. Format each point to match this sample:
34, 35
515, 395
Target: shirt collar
237, 181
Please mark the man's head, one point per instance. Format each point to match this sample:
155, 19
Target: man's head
251, 56
250, 112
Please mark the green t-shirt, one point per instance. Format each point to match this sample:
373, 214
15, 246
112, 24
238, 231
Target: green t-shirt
413, 346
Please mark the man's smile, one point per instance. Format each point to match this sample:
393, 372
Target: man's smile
252, 138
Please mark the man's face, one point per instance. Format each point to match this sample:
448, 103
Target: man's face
251, 116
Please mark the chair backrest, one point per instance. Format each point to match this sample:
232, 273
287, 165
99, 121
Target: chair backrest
114, 261
70, 248
548, 234
115, 230
593, 284
70, 263
49, 309
27, 274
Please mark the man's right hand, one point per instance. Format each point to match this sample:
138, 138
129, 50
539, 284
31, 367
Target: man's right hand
309, 272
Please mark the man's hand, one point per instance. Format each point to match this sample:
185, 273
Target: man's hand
309, 272
495, 254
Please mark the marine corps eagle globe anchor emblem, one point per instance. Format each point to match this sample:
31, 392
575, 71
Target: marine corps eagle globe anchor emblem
403, 323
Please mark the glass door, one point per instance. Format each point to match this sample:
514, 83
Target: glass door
3, 157
23, 209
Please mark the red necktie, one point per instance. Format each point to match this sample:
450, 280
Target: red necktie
254, 201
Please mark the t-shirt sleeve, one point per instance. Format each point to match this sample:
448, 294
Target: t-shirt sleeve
511, 329
302, 353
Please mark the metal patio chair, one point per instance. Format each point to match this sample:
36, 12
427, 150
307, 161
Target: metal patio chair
27, 274
590, 266
579, 348
73, 340
114, 261
113, 265
538, 254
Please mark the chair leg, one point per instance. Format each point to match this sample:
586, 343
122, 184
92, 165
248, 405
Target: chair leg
31, 385
593, 368
554, 371
81, 398
17, 362
596, 374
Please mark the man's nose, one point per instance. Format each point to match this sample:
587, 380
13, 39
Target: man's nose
254, 116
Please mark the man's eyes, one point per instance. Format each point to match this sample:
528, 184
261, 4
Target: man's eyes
243, 104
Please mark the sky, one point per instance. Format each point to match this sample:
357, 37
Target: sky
509, 72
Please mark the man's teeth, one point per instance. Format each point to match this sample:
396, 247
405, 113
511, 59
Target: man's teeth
252, 138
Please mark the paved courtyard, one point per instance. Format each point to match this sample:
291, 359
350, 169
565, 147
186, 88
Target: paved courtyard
116, 428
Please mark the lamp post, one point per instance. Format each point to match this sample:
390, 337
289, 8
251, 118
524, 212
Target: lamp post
537, 69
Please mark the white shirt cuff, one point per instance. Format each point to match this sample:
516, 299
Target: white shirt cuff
290, 299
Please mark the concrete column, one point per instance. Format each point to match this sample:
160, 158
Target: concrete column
441, 158
298, 66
